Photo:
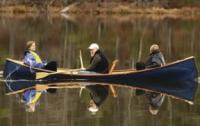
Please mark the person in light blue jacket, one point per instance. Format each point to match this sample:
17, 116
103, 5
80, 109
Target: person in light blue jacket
32, 59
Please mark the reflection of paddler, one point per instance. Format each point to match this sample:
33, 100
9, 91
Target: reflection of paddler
98, 94
156, 59
30, 97
99, 64
31, 58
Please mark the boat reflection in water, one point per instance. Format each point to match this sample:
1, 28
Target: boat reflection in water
177, 79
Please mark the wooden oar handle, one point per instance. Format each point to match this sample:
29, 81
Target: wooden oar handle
113, 66
112, 89
81, 60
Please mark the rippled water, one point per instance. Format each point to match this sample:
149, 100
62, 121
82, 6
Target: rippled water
126, 38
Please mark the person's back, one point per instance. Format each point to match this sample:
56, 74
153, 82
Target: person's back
156, 58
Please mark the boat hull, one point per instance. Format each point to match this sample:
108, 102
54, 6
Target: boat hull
177, 79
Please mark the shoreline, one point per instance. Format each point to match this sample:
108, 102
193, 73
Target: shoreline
94, 9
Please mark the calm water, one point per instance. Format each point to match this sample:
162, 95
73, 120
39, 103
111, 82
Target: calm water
125, 38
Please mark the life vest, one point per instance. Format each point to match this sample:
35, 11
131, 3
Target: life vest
31, 96
36, 97
36, 57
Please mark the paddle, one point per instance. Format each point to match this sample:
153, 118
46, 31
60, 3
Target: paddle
1, 73
112, 89
81, 60
82, 67
41, 87
40, 75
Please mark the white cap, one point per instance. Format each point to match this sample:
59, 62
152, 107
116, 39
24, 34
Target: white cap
93, 109
153, 111
93, 46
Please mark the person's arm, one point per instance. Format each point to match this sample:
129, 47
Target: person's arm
155, 62
153, 65
94, 63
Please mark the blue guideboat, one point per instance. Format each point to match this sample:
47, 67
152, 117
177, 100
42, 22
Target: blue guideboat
177, 79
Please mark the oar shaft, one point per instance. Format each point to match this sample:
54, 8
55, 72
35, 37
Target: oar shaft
1, 73
114, 93
81, 60
41, 87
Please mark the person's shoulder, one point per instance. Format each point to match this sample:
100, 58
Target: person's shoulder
160, 54
26, 52
97, 57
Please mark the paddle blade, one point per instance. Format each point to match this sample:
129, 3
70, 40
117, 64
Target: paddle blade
40, 87
40, 75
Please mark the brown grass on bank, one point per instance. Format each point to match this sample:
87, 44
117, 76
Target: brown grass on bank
19, 9
127, 8
113, 8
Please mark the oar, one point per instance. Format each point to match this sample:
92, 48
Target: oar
40, 75
82, 67
112, 89
1, 73
42, 87
81, 60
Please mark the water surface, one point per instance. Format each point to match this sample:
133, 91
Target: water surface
126, 38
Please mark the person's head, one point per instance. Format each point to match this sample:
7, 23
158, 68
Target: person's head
154, 48
93, 48
92, 107
31, 45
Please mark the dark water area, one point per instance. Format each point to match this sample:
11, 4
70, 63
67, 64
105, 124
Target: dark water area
126, 38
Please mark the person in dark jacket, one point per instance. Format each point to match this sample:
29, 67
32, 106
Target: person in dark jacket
156, 59
99, 64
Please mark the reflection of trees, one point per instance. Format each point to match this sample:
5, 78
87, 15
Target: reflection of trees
126, 40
